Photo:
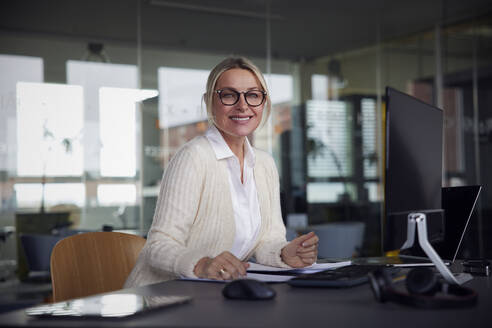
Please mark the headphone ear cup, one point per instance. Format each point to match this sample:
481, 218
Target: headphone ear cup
421, 284
422, 281
380, 284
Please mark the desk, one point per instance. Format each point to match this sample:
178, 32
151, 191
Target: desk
15, 294
293, 307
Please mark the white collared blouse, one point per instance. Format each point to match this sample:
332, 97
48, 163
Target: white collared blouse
243, 194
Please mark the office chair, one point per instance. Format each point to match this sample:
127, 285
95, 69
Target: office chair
92, 263
35, 224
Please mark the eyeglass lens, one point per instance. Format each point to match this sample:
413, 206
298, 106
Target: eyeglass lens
231, 97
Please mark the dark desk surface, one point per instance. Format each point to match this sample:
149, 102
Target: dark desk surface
17, 295
293, 307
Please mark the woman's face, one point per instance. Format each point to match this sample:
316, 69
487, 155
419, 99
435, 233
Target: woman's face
238, 120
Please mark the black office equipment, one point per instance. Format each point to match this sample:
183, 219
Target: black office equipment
347, 276
248, 289
479, 267
412, 176
396, 261
413, 179
413, 167
424, 290
458, 204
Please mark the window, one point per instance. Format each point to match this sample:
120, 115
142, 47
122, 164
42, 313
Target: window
93, 76
329, 160
281, 91
324, 192
328, 132
281, 87
181, 93
13, 69
319, 87
110, 127
116, 194
29, 195
49, 129
369, 137
117, 132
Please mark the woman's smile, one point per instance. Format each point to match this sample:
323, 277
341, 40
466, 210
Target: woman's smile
241, 119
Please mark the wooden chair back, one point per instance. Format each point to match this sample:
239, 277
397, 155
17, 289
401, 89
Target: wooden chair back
92, 263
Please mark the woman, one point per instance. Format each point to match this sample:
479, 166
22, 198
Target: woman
219, 199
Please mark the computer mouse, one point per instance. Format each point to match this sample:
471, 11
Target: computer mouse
248, 289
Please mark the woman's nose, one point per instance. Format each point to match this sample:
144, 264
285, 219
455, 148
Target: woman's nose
242, 104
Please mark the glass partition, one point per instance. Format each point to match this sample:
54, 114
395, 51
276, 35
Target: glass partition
90, 121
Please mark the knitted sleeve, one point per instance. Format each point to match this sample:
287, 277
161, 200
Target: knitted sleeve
176, 208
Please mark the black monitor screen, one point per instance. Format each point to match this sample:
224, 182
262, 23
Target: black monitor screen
413, 168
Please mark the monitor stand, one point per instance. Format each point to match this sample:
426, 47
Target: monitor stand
419, 219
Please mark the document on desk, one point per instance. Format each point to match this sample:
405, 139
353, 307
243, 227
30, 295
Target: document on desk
269, 277
249, 275
267, 273
316, 267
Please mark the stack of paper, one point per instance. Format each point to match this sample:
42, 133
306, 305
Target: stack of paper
267, 273
273, 274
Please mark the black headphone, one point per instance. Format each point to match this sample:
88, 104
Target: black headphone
422, 285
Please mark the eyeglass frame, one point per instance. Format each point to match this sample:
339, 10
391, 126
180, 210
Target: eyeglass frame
239, 96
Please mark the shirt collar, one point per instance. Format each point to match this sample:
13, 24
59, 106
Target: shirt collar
222, 150
249, 154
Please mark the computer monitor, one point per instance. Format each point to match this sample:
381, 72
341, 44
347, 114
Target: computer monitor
413, 167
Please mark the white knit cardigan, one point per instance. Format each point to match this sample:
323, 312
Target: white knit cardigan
194, 217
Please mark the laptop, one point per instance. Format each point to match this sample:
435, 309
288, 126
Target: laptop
458, 204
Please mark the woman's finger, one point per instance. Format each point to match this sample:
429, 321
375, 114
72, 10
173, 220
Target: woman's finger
225, 267
311, 254
311, 248
225, 274
303, 238
310, 241
225, 270
308, 260
238, 266
231, 271
212, 270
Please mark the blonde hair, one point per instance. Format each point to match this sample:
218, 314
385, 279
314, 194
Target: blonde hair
225, 65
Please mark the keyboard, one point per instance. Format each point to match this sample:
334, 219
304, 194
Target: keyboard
347, 276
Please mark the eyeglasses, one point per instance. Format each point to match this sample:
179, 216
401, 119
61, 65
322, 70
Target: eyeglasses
230, 97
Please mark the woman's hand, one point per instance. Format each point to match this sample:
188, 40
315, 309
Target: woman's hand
224, 266
301, 251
